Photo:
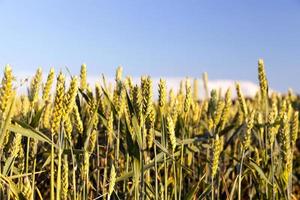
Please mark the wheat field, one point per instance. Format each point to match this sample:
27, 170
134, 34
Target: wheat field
67, 139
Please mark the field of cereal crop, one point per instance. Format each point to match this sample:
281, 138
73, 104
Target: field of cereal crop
68, 139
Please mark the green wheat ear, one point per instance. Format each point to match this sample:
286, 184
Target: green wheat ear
271, 123
226, 110
112, 181
217, 147
92, 141
58, 110
162, 94
83, 77
47, 114
263, 82
150, 120
171, 131
119, 99
6, 89
70, 97
188, 96
295, 127
16, 145
110, 129
248, 133
65, 179
68, 127
26, 188
119, 74
218, 113
285, 144
241, 99
35, 86
147, 94
137, 101
77, 119
48, 85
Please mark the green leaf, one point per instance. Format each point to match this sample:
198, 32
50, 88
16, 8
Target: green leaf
130, 105
186, 141
12, 186
27, 131
8, 165
254, 166
90, 127
84, 95
132, 146
233, 188
137, 131
230, 140
159, 157
24, 175
109, 100
36, 118
191, 194
205, 192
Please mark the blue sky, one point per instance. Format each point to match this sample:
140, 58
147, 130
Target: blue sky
155, 37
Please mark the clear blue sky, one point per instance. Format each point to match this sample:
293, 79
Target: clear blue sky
156, 37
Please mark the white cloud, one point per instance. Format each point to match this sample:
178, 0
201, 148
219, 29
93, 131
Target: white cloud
249, 88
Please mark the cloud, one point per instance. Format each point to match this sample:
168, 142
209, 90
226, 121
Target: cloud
249, 88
